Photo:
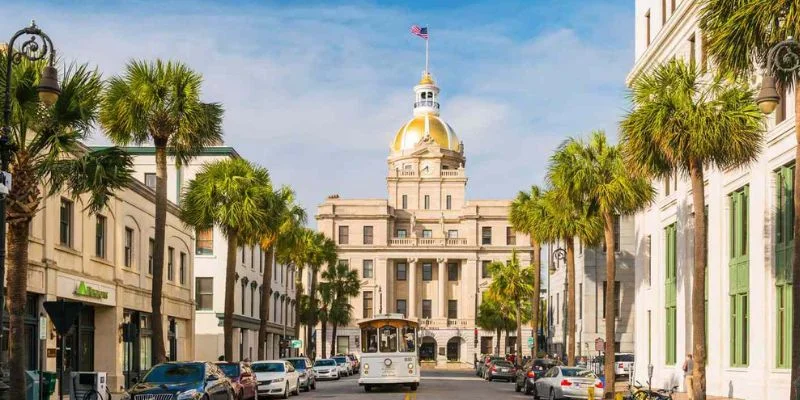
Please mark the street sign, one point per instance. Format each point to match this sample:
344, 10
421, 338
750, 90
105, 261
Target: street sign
63, 314
530, 342
42, 328
599, 345
296, 344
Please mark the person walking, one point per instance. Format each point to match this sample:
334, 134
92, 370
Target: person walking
688, 365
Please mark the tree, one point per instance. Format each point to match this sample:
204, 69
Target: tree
738, 35
567, 221
715, 124
326, 295
320, 250
345, 284
285, 219
292, 251
160, 102
512, 284
230, 194
527, 215
594, 172
50, 159
491, 318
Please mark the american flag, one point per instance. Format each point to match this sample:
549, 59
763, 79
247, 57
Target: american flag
421, 32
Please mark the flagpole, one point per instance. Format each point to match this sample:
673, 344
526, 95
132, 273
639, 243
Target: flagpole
426, 51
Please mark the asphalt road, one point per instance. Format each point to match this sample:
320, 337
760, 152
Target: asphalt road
435, 385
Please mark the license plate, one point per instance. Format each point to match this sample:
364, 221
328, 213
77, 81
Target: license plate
503, 369
577, 385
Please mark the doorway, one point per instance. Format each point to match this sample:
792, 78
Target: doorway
427, 349
454, 349
78, 345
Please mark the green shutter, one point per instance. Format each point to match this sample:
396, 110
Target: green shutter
671, 293
784, 250
739, 282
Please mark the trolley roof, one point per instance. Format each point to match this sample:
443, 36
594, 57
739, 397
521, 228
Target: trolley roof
379, 319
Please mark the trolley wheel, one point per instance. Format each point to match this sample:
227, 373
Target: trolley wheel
414, 387
367, 388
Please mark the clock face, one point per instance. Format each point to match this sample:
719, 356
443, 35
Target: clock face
426, 169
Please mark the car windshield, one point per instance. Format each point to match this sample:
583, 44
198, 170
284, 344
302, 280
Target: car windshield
624, 357
175, 373
324, 363
578, 373
503, 364
340, 360
230, 370
298, 363
268, 367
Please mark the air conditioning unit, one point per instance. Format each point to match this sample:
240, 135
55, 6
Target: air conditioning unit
85, 382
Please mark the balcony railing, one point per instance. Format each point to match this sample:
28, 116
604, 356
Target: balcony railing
427, 242
450, 323
426, 103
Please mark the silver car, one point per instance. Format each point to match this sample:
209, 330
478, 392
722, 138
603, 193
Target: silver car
567, 382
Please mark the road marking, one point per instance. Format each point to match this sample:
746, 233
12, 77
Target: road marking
453, 378
411, 396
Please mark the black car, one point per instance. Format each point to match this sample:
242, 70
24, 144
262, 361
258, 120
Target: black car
500, 369
530, 372
184, 380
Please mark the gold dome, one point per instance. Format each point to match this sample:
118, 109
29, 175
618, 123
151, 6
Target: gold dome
427, 79
413, 131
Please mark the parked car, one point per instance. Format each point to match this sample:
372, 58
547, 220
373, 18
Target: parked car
276, 378
530, 372
571, 382
308, 380
344, 365
623, 363
183, 380
486, 360
242, 379
355, 361
500, 369
326, 368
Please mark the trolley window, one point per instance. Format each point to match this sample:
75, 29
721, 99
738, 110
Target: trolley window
369, 340
408, 343
388, 339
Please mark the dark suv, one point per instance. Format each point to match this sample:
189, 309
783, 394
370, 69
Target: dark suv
530, 372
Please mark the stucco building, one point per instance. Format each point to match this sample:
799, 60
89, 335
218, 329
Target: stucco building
210, 256
590, 286
104, 261
424, 250
749, 307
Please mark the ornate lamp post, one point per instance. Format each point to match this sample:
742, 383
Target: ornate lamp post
783, 57
560, 254
49, 91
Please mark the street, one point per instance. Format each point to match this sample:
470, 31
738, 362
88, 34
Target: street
438, 384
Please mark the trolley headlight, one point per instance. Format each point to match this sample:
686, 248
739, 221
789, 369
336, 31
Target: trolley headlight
410, 366
366, 367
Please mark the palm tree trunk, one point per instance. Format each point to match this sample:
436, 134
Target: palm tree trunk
266, 296
537, 269
505, 345
570, 302
519, 334
17, 293
230, 287
497, 347
324, 336
298, 293
796, 253
159, 352
333, 338
311, 346
699, 282
611, 334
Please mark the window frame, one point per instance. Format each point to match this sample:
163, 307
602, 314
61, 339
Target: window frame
452, 272
66, 220
154, 177
398, 270
486, 235
364, 269
368, 299
449, 202
485, 274
182, 268
200, 293
100, 236
344, 234
170, 263
511, 236
427, 277
397, 307
127, 257
368, 233
427, 304
452, 309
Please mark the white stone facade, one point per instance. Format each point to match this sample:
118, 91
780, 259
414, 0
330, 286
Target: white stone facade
761, 376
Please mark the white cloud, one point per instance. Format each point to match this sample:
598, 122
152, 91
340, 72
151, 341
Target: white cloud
316, 93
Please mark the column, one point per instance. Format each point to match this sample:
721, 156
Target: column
412, 288
389, 302
442, 288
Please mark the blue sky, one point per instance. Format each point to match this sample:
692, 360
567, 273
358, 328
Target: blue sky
315, 91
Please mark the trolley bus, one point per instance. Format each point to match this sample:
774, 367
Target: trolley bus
389, 352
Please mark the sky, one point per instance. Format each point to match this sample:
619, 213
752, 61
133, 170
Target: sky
315, 91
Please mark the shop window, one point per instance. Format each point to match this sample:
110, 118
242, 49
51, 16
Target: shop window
128, 247
205, 242
343, 345
65, 223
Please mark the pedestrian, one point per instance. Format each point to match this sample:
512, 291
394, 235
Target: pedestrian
221, 358
688, 365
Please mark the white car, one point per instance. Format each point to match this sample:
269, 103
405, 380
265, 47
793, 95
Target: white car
344, 364
623, 363
567, 382
276, 378
326, 368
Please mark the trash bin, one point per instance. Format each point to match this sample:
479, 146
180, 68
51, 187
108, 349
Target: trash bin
50, 378
32, 384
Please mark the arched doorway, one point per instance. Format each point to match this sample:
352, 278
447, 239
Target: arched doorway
427, 349
454, 348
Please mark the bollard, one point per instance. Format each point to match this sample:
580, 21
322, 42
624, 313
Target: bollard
618, 396
591, 392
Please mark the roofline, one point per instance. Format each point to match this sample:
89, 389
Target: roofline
151, 150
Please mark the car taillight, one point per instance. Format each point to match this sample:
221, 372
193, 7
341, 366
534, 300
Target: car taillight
494, 369
599, 384
566, 383
621, 365
531, 374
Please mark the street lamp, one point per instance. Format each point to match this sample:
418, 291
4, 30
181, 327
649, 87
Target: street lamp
784, 57
558, 255
49, 91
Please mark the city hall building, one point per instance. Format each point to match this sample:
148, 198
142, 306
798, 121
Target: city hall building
749, 211
424, 250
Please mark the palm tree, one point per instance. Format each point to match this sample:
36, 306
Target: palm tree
594, 172
527, 215
321, 250
292, 250
512, 284
160, 102
345, 284
326, 295
230, 194
567, 221
491, 318
285, 219
736, 35
714, 124
48, 160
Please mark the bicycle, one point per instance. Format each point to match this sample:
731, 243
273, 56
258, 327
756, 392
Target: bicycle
649, 393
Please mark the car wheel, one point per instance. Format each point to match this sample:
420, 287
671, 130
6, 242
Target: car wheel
414, 387
517, 388
314, 385
286, 391
552, 394
367, 388
527, 388
535, 393
297, 388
